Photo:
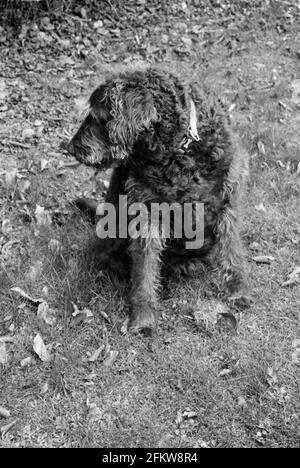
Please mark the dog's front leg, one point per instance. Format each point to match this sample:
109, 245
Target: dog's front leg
229, 255
145, 283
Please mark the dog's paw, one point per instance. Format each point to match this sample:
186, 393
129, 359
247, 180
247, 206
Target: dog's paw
142, 319
184, 268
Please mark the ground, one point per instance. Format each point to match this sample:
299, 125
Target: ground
212, 376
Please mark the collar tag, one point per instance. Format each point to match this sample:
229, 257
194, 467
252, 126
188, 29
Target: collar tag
193, 122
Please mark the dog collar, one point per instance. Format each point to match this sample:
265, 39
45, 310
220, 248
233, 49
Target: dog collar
192, 131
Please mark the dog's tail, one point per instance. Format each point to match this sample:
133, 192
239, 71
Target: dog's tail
87, 206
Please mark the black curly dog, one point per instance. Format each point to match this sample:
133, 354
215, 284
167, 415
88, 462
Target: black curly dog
168, 141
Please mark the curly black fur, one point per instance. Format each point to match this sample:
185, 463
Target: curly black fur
137, 123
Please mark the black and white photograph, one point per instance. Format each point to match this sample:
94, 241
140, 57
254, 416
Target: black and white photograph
149, 226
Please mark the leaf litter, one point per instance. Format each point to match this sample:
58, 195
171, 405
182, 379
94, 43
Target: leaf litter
46, 314
40, 348
211, 315
3, 354
4, 413
293, 278
81, 316
26, 296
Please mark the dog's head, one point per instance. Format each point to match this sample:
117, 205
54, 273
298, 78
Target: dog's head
120, 110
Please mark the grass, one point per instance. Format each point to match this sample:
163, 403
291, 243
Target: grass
171, 390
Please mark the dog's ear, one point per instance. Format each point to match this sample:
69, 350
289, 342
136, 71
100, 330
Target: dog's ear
98, 104
133, 111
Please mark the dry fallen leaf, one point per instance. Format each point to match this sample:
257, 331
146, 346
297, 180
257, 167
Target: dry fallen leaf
44, 388
261, 208
94, 414
62, 164
3, 354
260, 437
296, 91
42, 216
242, 402
225, 372
189, 414
44, 164
3, 90
296, 353
35, 271
46, 314
201, 444
40, 348
85, 315
4, 413
280, 164
6, 227
11, 179
296, 357
7, 339
28, 133
179, 418
264, 259
272, 378
25, 296
7, 427
54, 246
96, 354
104, 315
291, 282
254, 246
25, 362
293, 278
110, 358
261, 147
207, 313
24, 185
227, 322
124, 327
213, 314
98, 24
296, 343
